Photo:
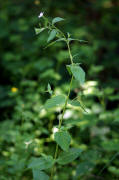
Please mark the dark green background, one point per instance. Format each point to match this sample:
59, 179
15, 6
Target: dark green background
26, 65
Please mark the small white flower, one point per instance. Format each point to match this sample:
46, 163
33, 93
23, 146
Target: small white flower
41, 14
54, 130
67, 114
27, 143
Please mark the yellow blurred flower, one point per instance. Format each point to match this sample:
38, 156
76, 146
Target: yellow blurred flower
37, 2
14, 89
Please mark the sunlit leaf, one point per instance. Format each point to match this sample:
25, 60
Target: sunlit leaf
77, 72
57, 19
39, 30
49, 89
55, 101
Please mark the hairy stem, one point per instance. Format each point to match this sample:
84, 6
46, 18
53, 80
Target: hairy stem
64, 109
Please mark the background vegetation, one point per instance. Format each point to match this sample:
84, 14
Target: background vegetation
26, 69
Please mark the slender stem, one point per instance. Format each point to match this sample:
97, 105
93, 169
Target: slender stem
60, 31
53, 26
64, 109
71, 57
60, 122
53, 168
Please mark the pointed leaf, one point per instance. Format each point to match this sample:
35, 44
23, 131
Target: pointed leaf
81, 41
49, 89
63, 139
39, 175
77, 103
57, 19
77, 72
41, 163
50, 44
68, 69
68, 34
52, 35
67, 157
74, 103
55, 101
39, 30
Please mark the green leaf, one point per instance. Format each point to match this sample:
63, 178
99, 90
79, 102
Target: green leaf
57, 19
52, 35
81, 41
55, 101
111, 145
76, 57
68, 69
39, 30
49, 89
63, 139
50, 44
74, 103
84, 167
77, 103
72, 121
91, 156
77, 72
68, 34
41, 163
67, 157
39, 175
114, 170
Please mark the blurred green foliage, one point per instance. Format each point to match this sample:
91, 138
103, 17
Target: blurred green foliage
26, 69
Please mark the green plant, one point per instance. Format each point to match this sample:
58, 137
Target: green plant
61, 135
26, 69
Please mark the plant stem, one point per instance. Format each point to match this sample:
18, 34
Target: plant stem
64, 109
60, 122
71, 57
53, 168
